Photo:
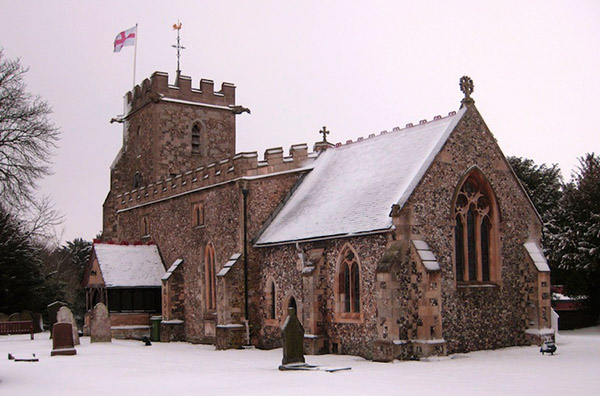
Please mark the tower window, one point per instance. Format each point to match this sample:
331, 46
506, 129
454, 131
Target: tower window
196, 139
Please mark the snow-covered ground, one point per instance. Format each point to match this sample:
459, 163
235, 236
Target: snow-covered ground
130, 368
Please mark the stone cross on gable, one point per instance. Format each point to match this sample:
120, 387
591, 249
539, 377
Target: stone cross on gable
325, 132
466, 86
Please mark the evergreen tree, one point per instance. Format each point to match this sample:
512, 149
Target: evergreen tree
575, 233
22, 283
542, 183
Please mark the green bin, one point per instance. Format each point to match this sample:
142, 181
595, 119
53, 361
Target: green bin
155, 328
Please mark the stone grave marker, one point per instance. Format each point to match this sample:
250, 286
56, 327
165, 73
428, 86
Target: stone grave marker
100, 324
26, 315
3, 317
14, 317
293, 339
65, 315
62, 339
52, 311
38, 322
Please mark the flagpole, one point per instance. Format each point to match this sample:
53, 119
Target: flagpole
135, 53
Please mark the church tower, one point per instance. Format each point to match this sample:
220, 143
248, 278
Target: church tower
170, 129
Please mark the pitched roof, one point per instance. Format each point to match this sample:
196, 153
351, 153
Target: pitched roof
129, 265
352, 188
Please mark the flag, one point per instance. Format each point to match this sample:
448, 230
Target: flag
124, 38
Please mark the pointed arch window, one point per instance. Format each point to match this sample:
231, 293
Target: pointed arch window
145, 227
270, 300
198, 214
348, 289
210, 278
196, 139
475, 232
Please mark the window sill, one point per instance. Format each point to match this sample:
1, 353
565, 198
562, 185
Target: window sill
197, 227
478, 285
349, 318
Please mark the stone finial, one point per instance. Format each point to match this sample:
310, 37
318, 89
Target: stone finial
466, 86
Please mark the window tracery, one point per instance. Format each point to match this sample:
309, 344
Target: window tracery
349, 289
475, 231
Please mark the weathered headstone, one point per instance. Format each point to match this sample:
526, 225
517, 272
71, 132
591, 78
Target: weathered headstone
14, 317
62, 340
38, 322
65, 315
52, 311
26, 315
3, 317
100, 324
293, 339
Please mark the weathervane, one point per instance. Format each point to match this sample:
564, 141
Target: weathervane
466, 86
177, 26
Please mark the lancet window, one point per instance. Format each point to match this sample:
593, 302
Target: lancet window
210, 278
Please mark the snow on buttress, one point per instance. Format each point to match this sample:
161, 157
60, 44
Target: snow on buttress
352, 188
129, 265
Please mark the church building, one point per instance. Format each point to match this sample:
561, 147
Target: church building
414, 242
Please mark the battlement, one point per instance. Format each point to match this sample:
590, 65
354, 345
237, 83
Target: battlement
245, 164
157, 88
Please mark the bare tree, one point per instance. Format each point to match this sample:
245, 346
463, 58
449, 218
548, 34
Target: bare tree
27, 137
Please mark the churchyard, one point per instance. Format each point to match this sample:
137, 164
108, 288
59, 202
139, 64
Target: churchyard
127, 367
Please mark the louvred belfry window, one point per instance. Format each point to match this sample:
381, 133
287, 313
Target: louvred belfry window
196, 139
475, 232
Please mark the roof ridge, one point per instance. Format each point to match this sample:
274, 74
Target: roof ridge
396, 129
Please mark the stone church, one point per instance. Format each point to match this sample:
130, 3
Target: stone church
417, 241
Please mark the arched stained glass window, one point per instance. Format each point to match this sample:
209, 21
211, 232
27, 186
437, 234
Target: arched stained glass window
474, 231
349, 285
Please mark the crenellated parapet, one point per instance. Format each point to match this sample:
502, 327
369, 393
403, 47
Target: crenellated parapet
241, 165
157, 88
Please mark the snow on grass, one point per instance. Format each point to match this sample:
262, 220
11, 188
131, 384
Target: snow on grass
126, 367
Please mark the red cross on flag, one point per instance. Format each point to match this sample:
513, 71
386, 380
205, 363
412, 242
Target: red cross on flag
124, 38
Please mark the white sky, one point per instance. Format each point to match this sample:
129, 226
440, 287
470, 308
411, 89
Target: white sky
356, 67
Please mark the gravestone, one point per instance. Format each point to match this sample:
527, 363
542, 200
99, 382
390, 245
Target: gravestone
62, 339
14, 317
52, 311
26, 315
3, 317
100, 324
38, 322
293, 339
65, 315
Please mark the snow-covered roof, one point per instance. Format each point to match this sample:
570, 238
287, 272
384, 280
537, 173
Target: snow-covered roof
352, 188
129, 265
537, 256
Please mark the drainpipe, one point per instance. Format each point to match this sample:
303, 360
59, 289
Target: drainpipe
245, 203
